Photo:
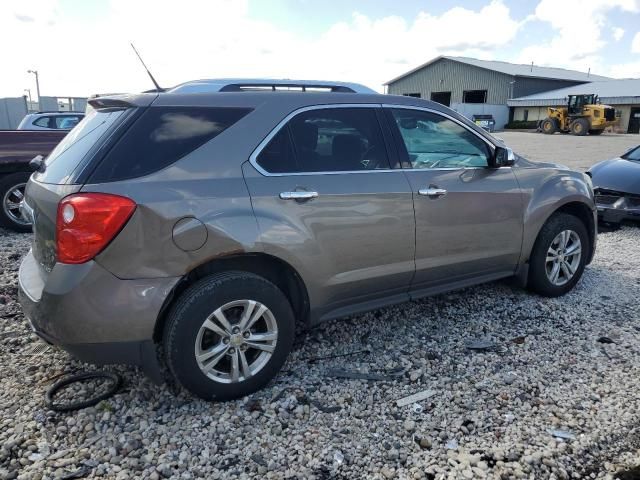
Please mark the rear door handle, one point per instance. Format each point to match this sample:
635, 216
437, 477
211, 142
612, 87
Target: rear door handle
432, 192
301, 195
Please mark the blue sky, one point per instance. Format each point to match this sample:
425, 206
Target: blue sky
87, 42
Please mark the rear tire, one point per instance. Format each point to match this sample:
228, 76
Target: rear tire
207, 322
11, 193
580, 127
596, 132
549, 126
542, 266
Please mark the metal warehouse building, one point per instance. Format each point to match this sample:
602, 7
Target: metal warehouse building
623, 95
481, 87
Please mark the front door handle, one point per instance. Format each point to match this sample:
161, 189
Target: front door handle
300, 195
432, 192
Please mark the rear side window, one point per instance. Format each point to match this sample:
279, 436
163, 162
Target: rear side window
327, 140
70, 152
160, 137
43, 122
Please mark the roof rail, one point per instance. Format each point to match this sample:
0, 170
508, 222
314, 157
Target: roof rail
265, 85
58, 111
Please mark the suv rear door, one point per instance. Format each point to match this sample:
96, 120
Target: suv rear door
327, 201
468, 216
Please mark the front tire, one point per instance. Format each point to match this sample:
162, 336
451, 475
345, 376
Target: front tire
559, 255
549, 126
580, 127
11, 195
228, 335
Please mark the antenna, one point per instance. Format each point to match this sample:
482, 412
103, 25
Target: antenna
531, 67
158, 87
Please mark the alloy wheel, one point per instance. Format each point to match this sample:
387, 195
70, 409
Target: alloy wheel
563, 257
12, 202
236, 341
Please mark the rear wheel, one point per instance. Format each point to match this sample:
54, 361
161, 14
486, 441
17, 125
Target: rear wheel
580, 126
12, 195
549, 126
596, 132
228, 335
559, 255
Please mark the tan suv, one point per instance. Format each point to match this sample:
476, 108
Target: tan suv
209, 224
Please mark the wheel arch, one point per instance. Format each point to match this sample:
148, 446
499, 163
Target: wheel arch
274, 269
578, 209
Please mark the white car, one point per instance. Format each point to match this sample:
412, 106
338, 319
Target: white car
50, 121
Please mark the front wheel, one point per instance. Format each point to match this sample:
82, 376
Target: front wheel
228, 335
549, 126
559, 255
580, 127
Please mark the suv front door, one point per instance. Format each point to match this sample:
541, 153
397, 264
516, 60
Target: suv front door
468, 215
327, 200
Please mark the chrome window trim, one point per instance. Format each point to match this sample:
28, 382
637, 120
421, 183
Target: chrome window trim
253, 158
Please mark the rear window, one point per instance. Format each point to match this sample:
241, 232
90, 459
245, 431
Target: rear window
70, 152
160, 137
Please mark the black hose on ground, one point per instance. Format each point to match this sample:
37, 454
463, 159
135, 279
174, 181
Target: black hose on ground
115, 379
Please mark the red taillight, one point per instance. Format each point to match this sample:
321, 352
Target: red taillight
87, 222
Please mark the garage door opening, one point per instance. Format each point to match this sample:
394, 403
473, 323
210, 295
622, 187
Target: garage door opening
442, 97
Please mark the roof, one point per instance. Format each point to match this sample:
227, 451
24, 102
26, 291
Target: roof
513, 69
239, 84
625, 91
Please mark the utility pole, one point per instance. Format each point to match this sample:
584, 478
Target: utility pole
28, 90
35, 72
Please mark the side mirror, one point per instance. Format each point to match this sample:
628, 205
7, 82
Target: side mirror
502, 157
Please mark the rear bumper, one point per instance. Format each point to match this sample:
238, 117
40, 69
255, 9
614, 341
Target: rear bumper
95, 316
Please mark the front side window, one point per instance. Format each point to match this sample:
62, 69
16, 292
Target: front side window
327, 140
67, 123
433, 141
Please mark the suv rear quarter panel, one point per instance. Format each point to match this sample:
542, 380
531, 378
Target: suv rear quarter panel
206, 184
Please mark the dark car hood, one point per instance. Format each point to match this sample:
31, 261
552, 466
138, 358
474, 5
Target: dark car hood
617, 174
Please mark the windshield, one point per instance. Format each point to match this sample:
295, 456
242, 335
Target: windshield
70, 152
633, 154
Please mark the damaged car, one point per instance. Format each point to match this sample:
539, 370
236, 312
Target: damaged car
616, 184
207, 222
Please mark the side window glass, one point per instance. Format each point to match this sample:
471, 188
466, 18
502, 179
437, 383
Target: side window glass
433, 141
278, 155
327, 140
338, 139
66, 123
42, 122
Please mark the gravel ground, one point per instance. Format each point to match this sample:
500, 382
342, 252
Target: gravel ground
578, 153
490, 414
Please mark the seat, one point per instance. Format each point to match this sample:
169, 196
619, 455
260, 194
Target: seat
306, 142
346, 152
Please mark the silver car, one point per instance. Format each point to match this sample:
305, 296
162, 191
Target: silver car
212, 224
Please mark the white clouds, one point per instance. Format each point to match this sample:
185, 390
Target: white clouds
194, 39
618, 33
625, 70
579, 25
216, 38
635, 44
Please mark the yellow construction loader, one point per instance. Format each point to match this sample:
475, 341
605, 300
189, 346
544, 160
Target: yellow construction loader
583, 114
